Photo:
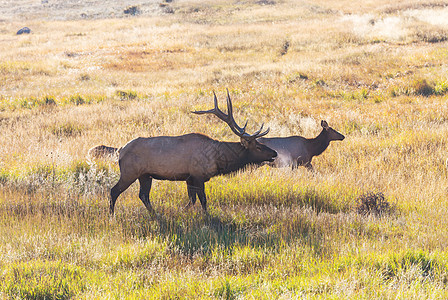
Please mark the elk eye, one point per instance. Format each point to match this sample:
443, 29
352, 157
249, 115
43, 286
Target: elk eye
258, 148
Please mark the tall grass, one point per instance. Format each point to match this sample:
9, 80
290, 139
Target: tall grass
269, 233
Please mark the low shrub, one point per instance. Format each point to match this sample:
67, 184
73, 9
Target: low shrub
126, 95
373, 204
422, 87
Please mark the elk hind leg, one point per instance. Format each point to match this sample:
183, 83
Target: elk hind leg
119, 188
145, 187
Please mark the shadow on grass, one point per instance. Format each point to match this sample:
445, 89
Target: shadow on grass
320, 200
195, 232
190, 231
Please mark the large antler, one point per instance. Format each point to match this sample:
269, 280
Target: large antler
228, 118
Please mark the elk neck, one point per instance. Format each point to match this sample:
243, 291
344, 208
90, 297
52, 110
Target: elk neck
231, 157
318, 144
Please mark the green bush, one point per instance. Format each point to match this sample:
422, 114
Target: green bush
76, 99
422, 87
441, 88
126, 95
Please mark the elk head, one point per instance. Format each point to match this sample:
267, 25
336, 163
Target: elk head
333, 135
257, 153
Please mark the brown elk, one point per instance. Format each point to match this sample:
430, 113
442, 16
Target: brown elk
102, 151
194, 158
297, 151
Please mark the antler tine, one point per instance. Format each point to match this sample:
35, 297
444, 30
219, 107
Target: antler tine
228, 118
244, 127
258, 134
242, 131
215, 100
258, 131
229, 105
216, 111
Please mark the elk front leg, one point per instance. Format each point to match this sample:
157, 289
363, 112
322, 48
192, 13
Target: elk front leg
201, 195
192, 191
294, 165
195, 186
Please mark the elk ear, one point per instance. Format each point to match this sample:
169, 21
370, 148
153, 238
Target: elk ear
324, 124
245, 143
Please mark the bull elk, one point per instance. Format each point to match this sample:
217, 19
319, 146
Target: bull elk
297, 151
194, 158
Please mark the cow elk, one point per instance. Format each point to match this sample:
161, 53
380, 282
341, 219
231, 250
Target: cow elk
297, 151
194, 158
102, 152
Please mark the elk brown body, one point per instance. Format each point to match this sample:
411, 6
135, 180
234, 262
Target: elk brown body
297, 151
194, 158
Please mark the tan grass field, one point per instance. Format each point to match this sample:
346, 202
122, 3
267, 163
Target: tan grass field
90, 74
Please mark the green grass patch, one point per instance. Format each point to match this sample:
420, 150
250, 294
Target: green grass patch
47, 101
67, 130
126, 95
420, 87
42, 280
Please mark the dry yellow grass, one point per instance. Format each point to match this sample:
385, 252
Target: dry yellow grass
376, 72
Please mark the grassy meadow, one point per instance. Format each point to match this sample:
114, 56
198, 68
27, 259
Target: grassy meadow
376, 72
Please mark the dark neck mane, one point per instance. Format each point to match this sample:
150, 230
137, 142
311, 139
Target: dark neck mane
318, 145
232, 157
